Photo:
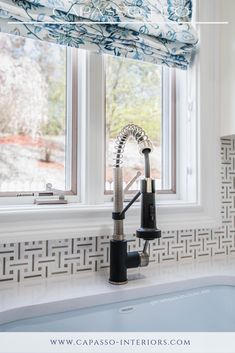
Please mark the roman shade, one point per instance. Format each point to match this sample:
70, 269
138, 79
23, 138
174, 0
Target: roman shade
156, 31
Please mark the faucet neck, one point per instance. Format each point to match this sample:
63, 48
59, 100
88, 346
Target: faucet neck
138, 134
145, 147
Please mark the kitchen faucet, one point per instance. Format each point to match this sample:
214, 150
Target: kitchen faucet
120, 259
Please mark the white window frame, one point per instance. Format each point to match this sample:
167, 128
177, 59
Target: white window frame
169, 131
168, 134
71, 169
92, 81
197, 203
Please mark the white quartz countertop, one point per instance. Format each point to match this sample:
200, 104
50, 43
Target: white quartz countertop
41, 297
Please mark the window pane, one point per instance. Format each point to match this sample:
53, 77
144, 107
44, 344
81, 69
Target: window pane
32, 114
133, 95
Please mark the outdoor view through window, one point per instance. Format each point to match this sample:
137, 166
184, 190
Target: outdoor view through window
133, 95
32, 114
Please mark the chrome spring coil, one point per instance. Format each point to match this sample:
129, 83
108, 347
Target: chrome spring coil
139, 135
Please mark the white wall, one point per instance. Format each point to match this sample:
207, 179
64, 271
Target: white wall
227, 69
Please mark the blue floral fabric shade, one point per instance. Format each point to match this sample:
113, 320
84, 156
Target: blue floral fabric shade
156, 31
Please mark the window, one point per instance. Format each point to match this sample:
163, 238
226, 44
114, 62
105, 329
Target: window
140, 93
38, 124
36, 119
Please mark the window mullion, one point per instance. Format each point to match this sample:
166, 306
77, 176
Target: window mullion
165, 128
71, 111
93, 131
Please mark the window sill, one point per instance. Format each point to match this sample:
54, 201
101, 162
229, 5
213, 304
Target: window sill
34, 222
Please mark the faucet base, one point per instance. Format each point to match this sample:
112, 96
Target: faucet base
118, 268
121, 260
117, 283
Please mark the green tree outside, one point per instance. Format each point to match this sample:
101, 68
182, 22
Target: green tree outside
133, 95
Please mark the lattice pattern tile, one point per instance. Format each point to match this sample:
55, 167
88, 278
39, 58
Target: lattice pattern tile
43, 259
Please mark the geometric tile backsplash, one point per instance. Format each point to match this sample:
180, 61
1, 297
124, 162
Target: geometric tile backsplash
43, 259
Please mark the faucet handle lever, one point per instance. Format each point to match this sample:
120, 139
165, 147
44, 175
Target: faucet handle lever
129, 185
